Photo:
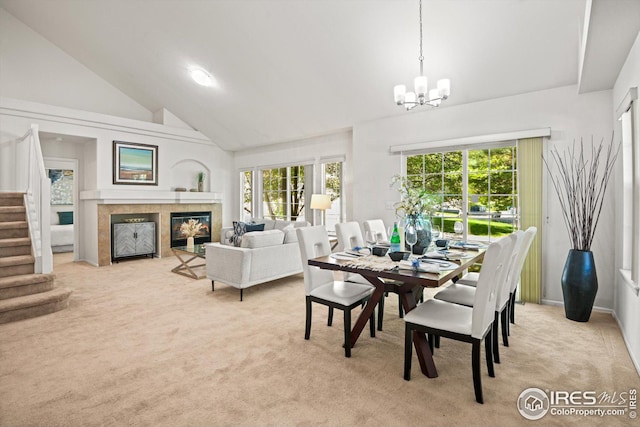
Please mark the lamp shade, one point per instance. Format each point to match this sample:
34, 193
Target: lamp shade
320, 201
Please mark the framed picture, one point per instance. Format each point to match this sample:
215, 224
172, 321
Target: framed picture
61, 186
135, 164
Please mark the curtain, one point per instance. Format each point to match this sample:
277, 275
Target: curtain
530, 194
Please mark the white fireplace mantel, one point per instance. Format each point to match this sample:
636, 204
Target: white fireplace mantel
117, 196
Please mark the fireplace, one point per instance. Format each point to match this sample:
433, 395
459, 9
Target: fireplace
178, 218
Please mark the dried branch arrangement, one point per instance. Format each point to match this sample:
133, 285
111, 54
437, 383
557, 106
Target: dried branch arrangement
581, 185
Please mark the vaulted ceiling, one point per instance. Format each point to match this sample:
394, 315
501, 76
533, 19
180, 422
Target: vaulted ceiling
287, 69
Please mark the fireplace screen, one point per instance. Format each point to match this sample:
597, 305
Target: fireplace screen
178, 218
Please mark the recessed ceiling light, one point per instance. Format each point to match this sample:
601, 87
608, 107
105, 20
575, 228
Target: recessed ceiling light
201, 76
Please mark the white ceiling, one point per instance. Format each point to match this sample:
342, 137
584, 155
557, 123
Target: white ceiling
288, 69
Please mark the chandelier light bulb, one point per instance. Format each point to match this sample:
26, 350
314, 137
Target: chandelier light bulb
398, 94
444, 88
420, 84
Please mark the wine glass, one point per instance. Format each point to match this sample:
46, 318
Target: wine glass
435, 233
458, 228
411, 236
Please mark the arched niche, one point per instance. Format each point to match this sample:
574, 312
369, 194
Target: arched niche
185, 174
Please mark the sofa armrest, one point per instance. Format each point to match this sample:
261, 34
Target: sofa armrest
223, 238
228, 264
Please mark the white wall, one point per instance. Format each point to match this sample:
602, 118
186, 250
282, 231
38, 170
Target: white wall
34, 69
175, 145
569, 116
627, 303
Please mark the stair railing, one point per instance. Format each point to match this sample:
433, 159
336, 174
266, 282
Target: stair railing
37, 203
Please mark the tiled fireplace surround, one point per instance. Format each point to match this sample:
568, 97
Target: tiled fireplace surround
158, 212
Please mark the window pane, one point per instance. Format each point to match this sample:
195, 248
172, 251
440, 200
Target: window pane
247, 193
453, 183
414, 165
502, 183
433, 163
478, 183
502, 158
478, 160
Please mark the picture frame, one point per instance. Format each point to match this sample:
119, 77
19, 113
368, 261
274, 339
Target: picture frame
135, 164
61, 193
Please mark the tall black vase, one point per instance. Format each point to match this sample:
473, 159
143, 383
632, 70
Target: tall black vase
579, 285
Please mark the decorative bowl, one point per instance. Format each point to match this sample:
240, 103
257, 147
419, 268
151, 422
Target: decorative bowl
398, 256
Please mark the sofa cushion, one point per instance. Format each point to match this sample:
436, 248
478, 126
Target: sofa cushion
290, 235
261, 239
240, 229
268, 223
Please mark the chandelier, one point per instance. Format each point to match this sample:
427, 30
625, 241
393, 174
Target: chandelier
421, 97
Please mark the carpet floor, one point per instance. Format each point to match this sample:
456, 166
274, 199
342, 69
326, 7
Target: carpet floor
141, 346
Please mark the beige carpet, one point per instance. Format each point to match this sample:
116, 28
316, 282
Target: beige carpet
142, 346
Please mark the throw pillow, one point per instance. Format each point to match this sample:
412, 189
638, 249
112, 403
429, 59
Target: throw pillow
65, 218
254, 227
239, 228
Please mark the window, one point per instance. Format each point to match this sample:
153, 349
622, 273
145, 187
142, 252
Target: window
631, 199
283, 193
476, 187
280, 193
332, 183
247, 194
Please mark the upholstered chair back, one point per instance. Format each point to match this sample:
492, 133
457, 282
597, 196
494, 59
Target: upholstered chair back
377, 226
314, 243
529, 235
484, 305
504, 282
349, 235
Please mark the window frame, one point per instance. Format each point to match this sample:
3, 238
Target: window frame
464, 150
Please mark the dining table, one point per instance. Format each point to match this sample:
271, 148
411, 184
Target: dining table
403, 282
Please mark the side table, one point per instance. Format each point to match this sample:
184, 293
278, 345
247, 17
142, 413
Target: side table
186, 268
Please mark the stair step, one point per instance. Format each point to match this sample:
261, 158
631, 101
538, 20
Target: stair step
16, 265
12, 229
11, 199
13, 213
34, 305
25, 284
15, 246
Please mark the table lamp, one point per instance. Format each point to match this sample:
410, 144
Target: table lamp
320, 202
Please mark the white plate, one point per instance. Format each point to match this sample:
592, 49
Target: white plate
443, 264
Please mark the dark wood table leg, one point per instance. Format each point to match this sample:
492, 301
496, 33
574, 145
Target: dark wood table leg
425, 357
366, 312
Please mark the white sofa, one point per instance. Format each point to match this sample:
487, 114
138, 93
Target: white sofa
262, 256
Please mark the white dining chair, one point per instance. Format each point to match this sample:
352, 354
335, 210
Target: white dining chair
349, 236
376, 226
320, 286
465, 294
529, 235
462, 323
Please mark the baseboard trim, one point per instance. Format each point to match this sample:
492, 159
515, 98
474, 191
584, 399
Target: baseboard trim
635, 362
560, 304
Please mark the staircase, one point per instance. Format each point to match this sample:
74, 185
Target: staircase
23, 294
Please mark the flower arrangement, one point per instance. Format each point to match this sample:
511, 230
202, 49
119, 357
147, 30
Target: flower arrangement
414, 201
190, 228
581, 185
201, 176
